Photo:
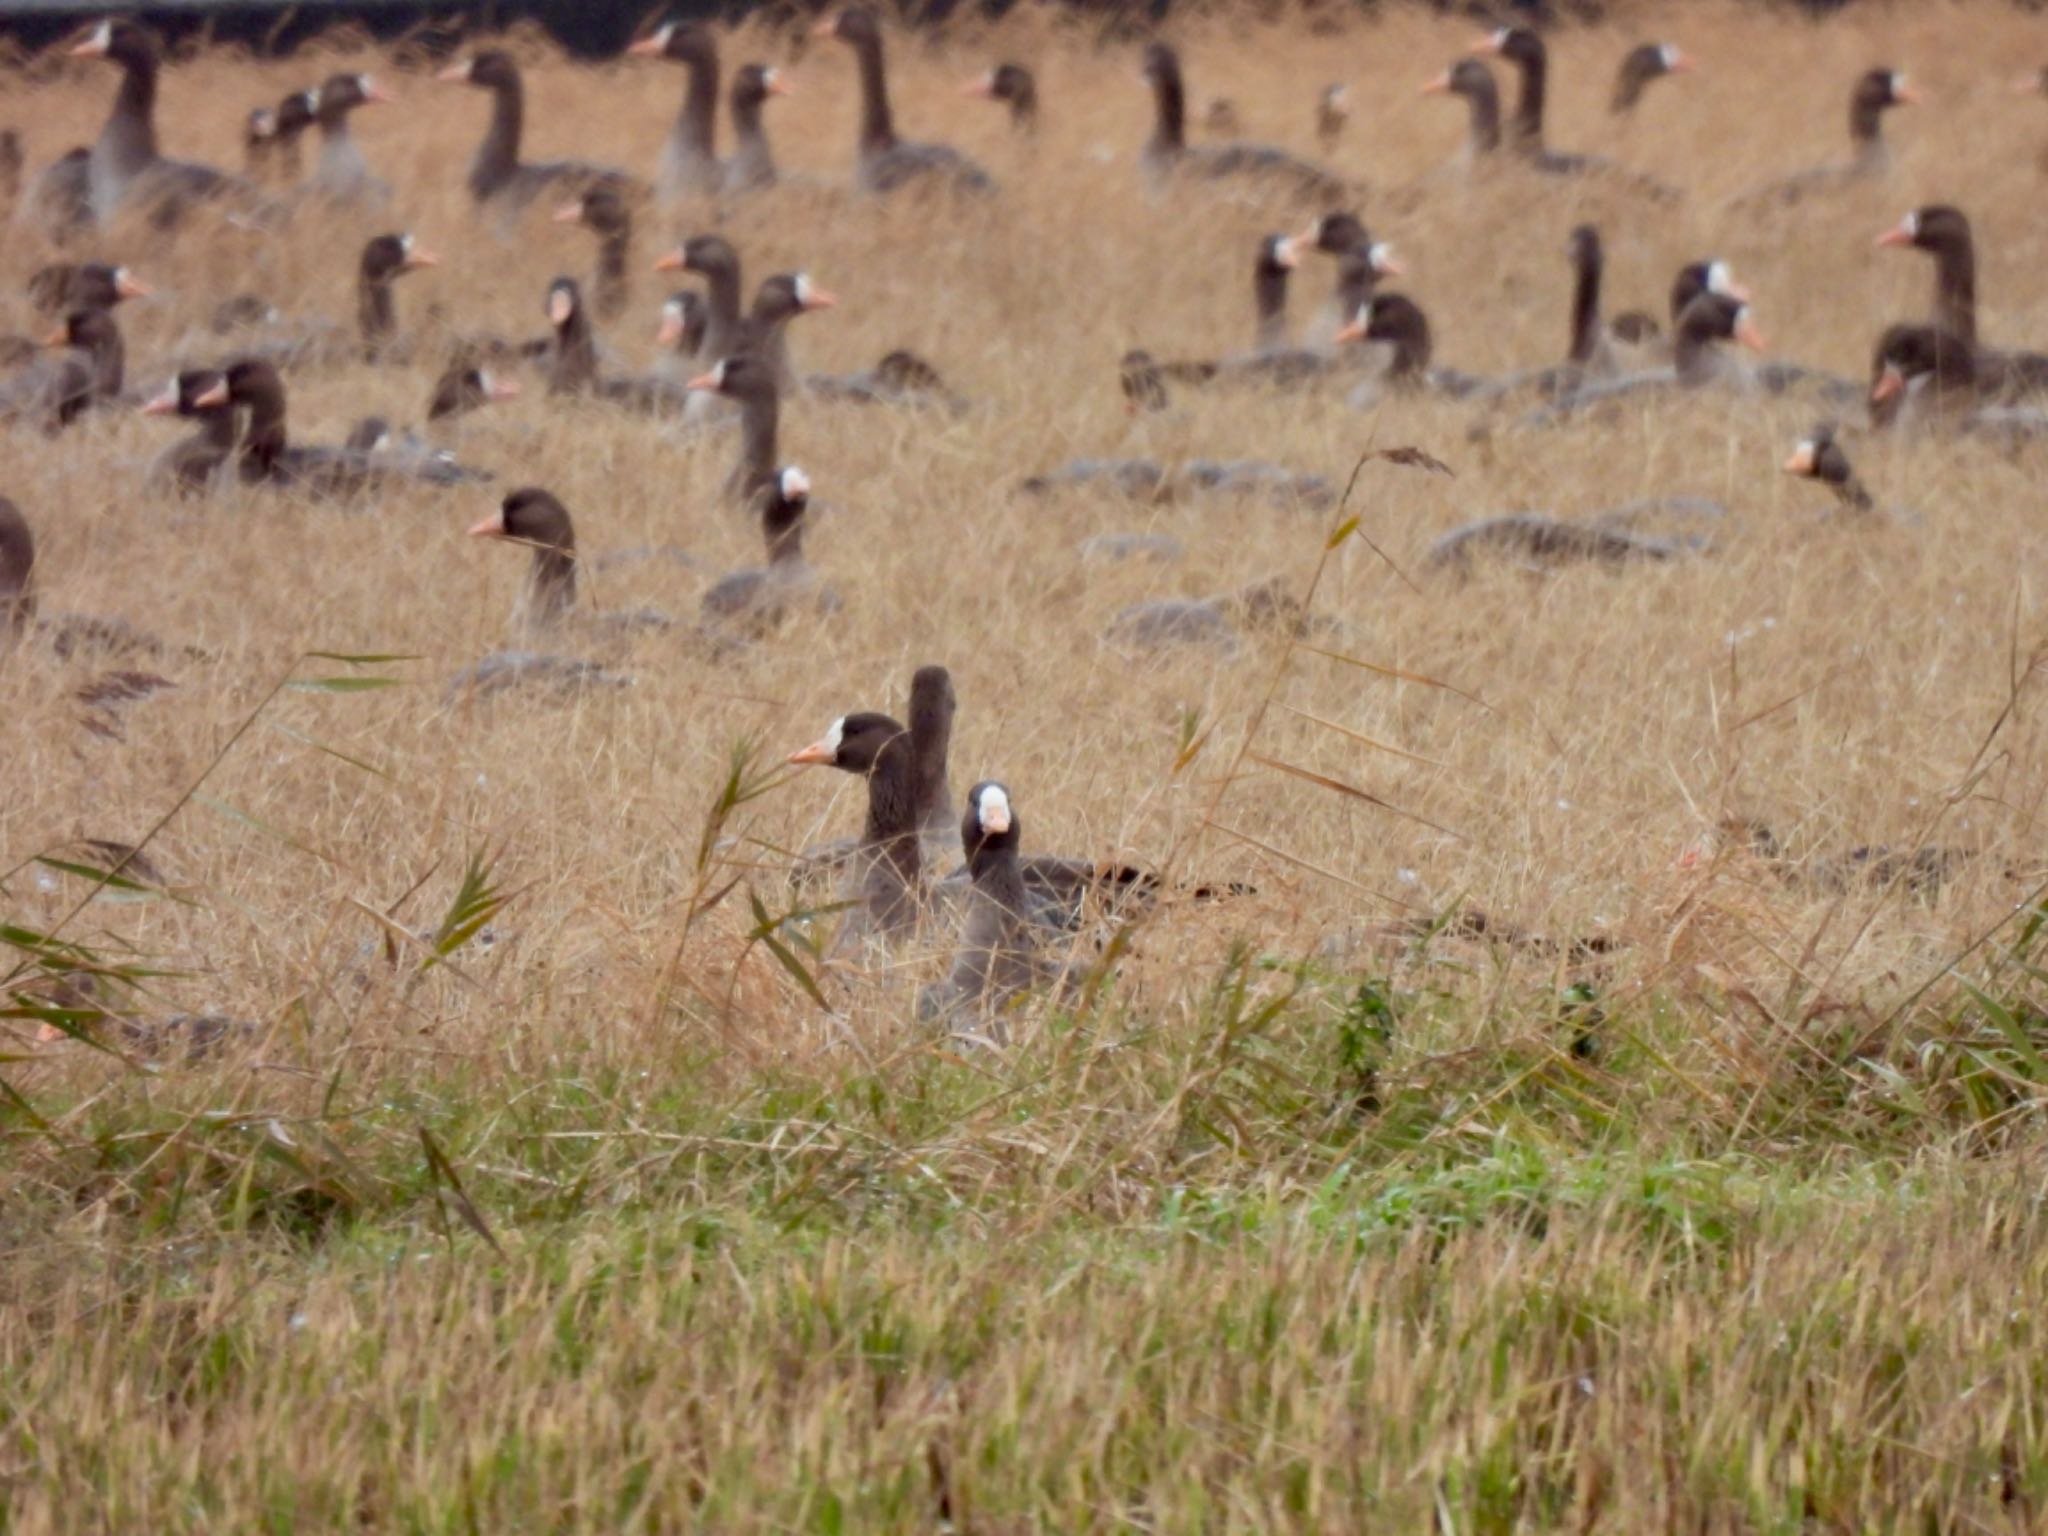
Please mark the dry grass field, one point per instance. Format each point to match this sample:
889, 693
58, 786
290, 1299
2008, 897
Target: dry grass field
602, 1223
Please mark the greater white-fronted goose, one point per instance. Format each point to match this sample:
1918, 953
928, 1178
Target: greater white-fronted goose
751, 382
464, 387
1397, 326
194, 464
752, 166
1472, 82
1534, 541
85, 369
1361, 262
781, 297
536, 518
268, 457
933, 705
1709, 320
56, 290
900, 378
882, 161
1147, 479
1014, 86
124, 165
1943, 232
1333, 111
601, 210
998, 957
1167, 152
270, 140
343, 175
573, 365
497, 176
756, 600
712, 258
689, 155
385, 259
1639, 66
1876, 92
1818, 456
1524, 48
1921, 375
17, 574
680, 336
887, 867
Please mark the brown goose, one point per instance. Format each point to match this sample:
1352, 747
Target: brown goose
1944, 233
1709, 320
886, 866
781, 297
193, 464
689, 155
1361, 262
573, 368
343, 175
882, 161
1639, 66
1524, 48
1472, 81
751, 382
712, 258
1921, 375
57, 290
385, 259
998, 956
601, 210
1876, 92
86, 370
1398, 325
756, 600
900, 378
124, 163
17, 573
463, 388
497, 176
752, 166
1817, 456
1168, 153
269, 458
1013, 85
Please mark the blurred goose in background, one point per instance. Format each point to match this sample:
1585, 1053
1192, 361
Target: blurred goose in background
752, 166
1818, 456
463, 387
601, 210
1709, 320
268, 457
58, 289
680, 336
1923, 376
689, 164
764, 334
1639, 66
712, 258
1472, 81
886, 868
1524, 48
1333, 111
1361, 262
1167, 152
270, 142
124, 165
1535, 541
757, 599
751, 382
1876, 92
498, 178
998, 956
342, 175
197, 463
17, 572
901, 378
84, 368
1014, 86
882, 161
1944, 233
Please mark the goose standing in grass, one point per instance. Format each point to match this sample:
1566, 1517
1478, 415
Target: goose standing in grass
343, 175
689, 155
882, 161
998, 956
1013, 86
601, 210
1472, 82
752, 166
1944, 233
498, 178
194, 464
886, 866
124, 165
1876, 92
1167, 152
751, 382
757, 599
1525, 49
1639, 66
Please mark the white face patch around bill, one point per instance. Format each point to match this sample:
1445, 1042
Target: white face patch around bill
992, 810
835, 736
796, 485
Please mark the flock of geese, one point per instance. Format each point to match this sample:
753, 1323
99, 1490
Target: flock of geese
725, 367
